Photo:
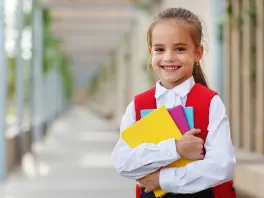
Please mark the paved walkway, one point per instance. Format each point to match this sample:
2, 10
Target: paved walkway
74, 162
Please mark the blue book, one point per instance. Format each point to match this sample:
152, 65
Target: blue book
189, 113
145, 112
189, 116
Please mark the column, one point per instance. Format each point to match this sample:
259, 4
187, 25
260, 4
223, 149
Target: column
217, 41
19, 71
121, 83
111, 83
108, 94
139, 59
227, 39
248, 131
38, 83
260, 79
3, 94
236, 80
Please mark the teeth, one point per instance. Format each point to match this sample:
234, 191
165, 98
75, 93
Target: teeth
170, 68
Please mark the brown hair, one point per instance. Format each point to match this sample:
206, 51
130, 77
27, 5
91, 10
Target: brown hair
181, 14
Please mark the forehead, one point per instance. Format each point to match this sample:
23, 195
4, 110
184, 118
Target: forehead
170, 32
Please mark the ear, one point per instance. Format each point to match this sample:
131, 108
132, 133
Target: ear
199, 53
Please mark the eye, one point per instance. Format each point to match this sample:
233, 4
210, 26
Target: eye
180, 49
159, 49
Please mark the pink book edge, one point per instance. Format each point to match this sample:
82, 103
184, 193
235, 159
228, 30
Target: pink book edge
178, 115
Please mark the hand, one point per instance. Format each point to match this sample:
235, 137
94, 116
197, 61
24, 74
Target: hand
140, 185
150, 182
190, 146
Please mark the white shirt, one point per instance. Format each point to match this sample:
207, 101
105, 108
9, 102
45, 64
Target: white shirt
217, 167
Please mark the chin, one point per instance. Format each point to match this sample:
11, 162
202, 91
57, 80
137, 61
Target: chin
171, 79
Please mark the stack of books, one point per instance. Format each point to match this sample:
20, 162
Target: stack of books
160, 124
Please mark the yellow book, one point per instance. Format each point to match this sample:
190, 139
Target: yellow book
154, 128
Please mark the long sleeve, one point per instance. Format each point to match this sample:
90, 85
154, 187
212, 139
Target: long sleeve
144, 159
218, 165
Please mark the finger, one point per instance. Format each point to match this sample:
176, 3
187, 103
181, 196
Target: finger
193, 132
147, 190
200, 147
201, 157
198, 140
201, 141
142, 181
140, 185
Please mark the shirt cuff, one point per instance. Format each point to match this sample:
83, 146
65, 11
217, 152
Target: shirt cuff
166, 177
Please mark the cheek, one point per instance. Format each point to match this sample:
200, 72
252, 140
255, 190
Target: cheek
155, 60
187, 60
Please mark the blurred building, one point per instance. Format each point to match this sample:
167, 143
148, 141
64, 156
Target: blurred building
233, 63
94, 53
244, 89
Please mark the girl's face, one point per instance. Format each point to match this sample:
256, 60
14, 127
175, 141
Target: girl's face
173, 52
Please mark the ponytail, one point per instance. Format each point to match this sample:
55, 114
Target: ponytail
198, 74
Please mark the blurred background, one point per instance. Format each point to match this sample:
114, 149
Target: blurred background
69, 68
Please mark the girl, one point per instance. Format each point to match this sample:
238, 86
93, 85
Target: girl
174, 41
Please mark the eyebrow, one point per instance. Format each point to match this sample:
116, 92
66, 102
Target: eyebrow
176, 44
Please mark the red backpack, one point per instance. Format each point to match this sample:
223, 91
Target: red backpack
199, 98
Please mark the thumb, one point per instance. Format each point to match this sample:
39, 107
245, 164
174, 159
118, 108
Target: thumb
140, 185
147, 190
193, 132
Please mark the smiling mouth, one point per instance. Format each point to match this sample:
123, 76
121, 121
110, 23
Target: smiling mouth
170, 68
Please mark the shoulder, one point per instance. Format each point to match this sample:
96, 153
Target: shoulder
145, 99
130, 109
215, 101
129, 116
130, 106
217, 105
202, 90
200, 95
146, 93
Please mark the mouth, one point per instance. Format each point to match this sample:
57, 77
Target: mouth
170, 68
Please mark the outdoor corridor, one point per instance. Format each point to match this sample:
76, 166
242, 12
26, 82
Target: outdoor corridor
69, 69
73, 162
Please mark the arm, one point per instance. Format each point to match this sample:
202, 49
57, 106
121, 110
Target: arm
144, 159
219, 162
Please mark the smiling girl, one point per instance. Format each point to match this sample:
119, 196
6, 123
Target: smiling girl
174, 41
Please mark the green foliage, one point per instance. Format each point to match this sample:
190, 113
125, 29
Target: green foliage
247, 17
238, 20
52, 55
27, 19
66, 75
220, 32
11, 79
252, 13
147, 7
50, 43
229, 9
94, 85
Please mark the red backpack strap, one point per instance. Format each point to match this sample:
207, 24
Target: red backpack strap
200, 98
138, 191
145, 100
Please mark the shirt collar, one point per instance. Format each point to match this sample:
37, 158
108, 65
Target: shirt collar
182, 90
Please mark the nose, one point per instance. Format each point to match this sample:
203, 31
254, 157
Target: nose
168, 56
